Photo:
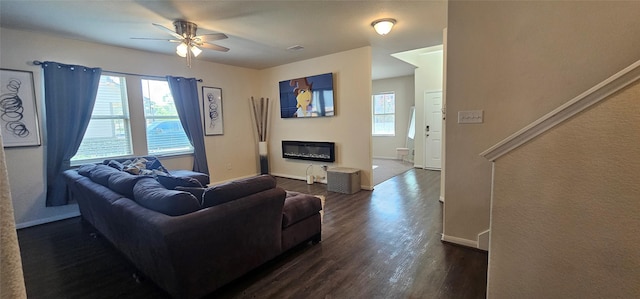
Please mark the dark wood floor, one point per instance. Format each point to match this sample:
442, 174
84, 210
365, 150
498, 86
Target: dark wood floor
379, 244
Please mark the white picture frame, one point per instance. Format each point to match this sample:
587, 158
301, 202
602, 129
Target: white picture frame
18, 110
212, 109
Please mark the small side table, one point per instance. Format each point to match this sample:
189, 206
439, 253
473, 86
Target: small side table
343, 180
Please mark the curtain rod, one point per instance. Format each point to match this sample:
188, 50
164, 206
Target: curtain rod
38, 62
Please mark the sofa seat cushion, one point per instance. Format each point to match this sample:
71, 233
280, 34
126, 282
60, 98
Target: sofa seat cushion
299, 206
236, 189
150, 194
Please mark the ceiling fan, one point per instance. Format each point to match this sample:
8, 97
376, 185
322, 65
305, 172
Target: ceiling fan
189, 42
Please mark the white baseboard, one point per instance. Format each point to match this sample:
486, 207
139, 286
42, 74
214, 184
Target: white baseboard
483, 240
288, 176
441, 199
47, 220
418, 166
460, 241
297, 177
387, 158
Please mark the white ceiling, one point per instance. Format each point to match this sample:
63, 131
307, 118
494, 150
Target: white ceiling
259, 31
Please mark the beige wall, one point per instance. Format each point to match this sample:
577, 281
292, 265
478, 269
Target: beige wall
567, 226
385, 146
517, 61
26, 165
428, 77
350, 128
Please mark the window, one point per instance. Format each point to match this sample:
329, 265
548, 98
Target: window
165, 133
108, 133
384, 114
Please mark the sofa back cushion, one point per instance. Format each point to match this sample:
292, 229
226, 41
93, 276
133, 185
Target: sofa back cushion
236, 189
123, 182
85, 170
150, 194
195, 191
101, 173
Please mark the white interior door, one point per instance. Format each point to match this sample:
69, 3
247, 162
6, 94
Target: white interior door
433, 130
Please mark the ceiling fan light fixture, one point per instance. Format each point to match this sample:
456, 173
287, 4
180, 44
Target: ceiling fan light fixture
188, 42
182, 49
196, 51
383, 26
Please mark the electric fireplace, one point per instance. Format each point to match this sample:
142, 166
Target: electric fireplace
309, 150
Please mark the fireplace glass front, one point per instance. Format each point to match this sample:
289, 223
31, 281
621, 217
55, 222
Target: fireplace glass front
309, 150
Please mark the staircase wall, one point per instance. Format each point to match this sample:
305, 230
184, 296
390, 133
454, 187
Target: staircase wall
517, 61
566, 208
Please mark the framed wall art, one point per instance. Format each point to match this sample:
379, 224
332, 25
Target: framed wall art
212, 107
18, 113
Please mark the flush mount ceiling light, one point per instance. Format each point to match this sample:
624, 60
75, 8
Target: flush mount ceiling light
383, 26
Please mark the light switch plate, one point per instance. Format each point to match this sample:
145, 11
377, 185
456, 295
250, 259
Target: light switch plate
470, 117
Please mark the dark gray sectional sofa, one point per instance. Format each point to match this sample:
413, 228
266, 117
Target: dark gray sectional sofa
191, 241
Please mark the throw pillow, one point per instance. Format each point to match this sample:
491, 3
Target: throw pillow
171, 182
148, 193
156, 168
155, 165
115, 164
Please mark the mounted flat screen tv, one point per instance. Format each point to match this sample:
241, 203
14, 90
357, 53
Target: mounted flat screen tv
307, 97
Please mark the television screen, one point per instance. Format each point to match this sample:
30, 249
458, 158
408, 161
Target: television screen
307, 97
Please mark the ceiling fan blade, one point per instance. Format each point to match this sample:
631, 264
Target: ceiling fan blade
214, 47
168, 30
212, 36
150, 38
